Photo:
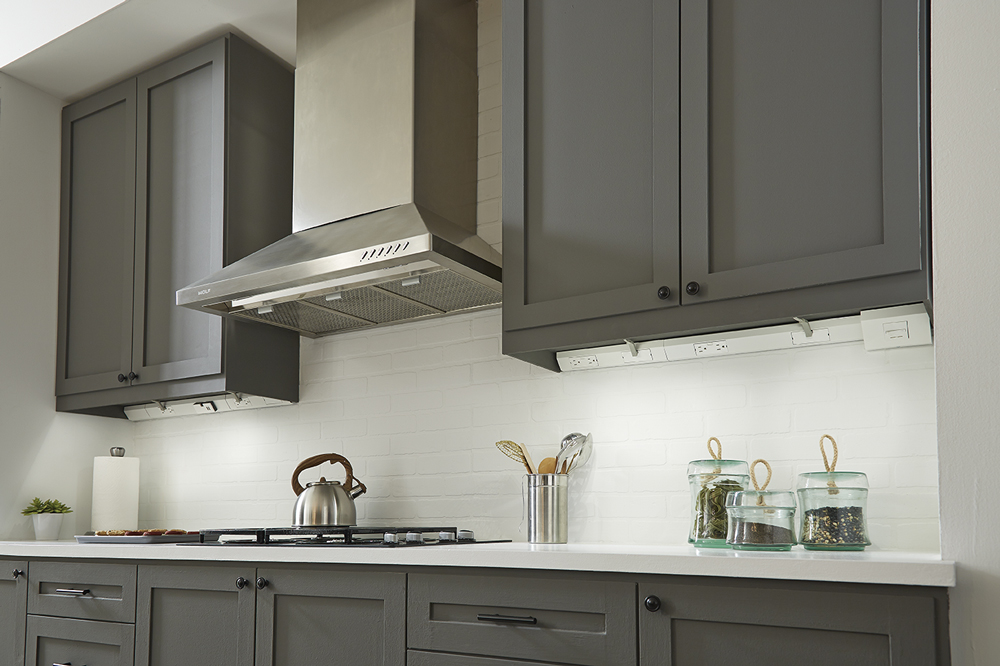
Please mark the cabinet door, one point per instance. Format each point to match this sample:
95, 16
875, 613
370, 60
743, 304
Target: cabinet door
179, 212
194, 615
803, 133
13, 610
63, 642
590, 161
96, 241
335, 618
720, 623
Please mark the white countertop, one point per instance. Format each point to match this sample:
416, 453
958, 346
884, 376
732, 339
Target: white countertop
871, 566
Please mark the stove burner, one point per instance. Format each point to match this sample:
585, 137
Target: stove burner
343, 536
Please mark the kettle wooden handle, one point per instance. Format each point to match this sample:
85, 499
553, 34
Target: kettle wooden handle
350, 483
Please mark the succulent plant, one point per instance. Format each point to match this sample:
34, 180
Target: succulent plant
48, 506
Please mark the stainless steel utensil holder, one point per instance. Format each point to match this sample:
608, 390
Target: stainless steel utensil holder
548, 503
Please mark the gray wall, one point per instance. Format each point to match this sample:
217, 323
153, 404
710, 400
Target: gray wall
42, 453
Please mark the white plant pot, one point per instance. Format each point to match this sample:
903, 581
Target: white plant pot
47, 526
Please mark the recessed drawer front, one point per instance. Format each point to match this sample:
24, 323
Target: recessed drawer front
418, 658
568, 621
56, 640
83, 590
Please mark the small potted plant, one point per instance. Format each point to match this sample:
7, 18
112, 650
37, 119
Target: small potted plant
47, 517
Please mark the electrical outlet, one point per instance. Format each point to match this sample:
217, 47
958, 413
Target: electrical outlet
581, 362
711, 348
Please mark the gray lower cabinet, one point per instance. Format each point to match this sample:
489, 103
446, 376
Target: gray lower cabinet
13, 607
195, 615
60, 641
678, 167
332, 617
84, 590
561, 620
747, 622
418, 658
168, 177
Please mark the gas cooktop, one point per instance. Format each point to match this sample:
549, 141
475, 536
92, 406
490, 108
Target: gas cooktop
388, 537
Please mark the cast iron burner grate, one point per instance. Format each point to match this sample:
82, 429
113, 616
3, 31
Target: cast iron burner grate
390, 537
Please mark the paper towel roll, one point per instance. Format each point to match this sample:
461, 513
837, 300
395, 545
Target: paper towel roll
116, 494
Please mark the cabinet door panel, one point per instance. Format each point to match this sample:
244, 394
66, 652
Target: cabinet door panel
337, 618
194, 615
801, 159
96, 241
590, 161
714, 622
179, 212
13, 609
57, 641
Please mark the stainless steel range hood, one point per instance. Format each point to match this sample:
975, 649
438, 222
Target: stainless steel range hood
384, 212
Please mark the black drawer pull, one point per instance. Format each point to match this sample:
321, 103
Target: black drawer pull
507, 619
66, 664
75, 593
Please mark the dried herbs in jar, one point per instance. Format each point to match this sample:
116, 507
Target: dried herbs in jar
711, 480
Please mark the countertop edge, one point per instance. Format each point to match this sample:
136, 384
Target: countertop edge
874, 567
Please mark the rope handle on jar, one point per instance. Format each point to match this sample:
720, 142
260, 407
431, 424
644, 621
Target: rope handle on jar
715, 456
830, 468
753, 478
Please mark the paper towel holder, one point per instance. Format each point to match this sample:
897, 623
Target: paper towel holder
117, 451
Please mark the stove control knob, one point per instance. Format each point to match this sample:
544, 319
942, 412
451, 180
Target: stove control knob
447, 537
414, 537
466, 535
390, 537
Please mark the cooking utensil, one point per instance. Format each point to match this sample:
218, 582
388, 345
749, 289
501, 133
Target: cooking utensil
528, 461
326, 503
547, 466
575, 453
517, 452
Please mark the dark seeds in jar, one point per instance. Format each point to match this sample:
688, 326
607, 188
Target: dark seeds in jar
834, 525
761, 534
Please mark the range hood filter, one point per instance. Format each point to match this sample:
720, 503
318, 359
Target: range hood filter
428, 295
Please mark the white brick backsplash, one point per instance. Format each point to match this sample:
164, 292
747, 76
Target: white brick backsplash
418, 407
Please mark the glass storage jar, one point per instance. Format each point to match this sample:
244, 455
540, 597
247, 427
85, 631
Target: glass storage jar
833, 508
761, 520
711, 481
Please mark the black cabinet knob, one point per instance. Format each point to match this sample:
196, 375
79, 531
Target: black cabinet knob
17, 573
262, 583
241, 582
692, 288
122, 378
133, 376
663, 293
652, 603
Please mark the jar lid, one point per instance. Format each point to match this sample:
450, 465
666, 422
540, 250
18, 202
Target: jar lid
833, 480
726, 467
772, 499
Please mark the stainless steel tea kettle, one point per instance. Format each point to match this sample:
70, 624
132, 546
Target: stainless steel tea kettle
325, 503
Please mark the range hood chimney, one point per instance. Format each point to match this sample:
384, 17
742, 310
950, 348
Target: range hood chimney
384, 212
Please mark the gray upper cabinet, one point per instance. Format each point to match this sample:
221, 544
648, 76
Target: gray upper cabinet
13, 606
337, 618
179, 213
591, 151
748, 162
96, 241
167, 178
801, 153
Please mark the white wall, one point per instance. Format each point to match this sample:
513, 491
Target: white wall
965, 96
417, 409
42, 453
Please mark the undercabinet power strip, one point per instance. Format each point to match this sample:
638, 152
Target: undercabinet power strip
886, 328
